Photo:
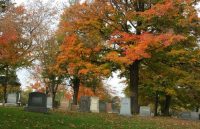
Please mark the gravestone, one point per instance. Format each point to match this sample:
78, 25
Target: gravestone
185, 115
195, 115
94, 104
115, 108
145, 111
125, 108
37, 102
74, 107
190, 115
102, 106
65, 105
85, 104
49, 103
109, 107
13, 99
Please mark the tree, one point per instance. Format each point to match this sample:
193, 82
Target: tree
46, 50
14, 47
79, 62
134, 29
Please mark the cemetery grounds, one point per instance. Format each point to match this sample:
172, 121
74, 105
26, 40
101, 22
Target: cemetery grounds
17, 118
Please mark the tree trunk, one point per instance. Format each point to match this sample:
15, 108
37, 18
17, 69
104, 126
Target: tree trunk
5, 87
167, 105
134, 78
156, 104
76, 85
53, 99
197, 109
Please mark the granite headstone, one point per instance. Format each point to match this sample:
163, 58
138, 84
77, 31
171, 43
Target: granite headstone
102, 106
145, 111
190, 115
85, 104
65, 105
109, 107
13, 99
49, 103
94, 104
37, 102
125, 108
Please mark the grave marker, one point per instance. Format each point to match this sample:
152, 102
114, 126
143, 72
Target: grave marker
94, 105
145, 111
102, 106
125, 107
37, 102
85, 104
49, 103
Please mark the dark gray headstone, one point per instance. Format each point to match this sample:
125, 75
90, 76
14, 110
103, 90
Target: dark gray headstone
102, 106
37, 102
115, 108
85, 104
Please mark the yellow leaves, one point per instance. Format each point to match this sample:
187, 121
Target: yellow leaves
170, 91
177, 52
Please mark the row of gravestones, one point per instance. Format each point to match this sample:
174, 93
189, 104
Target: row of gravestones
92, 104
39, 102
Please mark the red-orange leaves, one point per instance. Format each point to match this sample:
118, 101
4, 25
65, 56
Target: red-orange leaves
79, 59
136, 47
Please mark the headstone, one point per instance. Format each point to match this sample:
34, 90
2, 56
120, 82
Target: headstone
115, 108
85, 104
145, 111
94, 104
109, 107
49, 103
195, 115
125, 107
64, 105
185, 115
13, 99
74, 107
102, 106
37, 102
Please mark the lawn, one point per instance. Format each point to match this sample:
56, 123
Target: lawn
16, 118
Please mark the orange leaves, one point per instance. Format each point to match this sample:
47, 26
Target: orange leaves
136, 47
77, 58
160, 9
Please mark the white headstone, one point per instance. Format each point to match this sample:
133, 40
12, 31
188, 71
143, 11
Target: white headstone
12, 98
49, 102
94, 105
125, 107
145, 111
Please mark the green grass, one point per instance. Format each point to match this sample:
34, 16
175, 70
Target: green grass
17, 118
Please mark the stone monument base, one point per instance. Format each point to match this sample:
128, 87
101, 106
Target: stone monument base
36, 109
11, 104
